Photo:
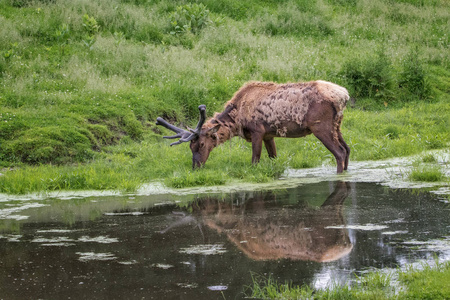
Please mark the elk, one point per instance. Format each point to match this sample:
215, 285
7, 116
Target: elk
261, 111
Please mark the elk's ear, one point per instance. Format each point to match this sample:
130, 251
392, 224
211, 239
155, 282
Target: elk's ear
214, 129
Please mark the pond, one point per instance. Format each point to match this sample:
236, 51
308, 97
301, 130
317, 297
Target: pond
209, 245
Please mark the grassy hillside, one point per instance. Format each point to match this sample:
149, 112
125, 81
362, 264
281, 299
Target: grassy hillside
82, 82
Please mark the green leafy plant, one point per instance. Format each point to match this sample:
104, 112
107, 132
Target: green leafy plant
62, 35
91, 29
11, 52
189, 18
119, 37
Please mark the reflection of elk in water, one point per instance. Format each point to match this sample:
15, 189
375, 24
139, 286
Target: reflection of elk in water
264, 234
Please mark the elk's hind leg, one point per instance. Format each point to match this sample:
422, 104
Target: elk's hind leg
328, 135
347, 148
270, 147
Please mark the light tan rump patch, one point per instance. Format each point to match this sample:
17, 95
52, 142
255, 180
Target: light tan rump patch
333, 92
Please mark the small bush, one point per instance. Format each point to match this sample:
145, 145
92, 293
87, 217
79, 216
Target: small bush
62, 36
413, 79
189, 18
370, 77
91, 29
392, 131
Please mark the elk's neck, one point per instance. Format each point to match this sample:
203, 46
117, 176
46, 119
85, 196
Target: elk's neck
228, 126
225, 132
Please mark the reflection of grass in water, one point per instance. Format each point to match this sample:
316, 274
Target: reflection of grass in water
10, 226
430, 282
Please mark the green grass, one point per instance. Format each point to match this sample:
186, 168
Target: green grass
427, 169
426, 173
429, 282
82, 83
94, 176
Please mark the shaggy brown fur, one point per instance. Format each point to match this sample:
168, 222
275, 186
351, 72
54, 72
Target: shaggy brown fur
260, 111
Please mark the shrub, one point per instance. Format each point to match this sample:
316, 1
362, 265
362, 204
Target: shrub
189, 18
413, 79
62, 35
392, 131
370, 77
91, 28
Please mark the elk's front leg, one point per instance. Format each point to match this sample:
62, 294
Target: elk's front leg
257, 139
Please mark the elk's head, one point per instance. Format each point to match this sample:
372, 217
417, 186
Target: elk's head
202, 140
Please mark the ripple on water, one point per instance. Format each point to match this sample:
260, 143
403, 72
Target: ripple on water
90, 256
205, 249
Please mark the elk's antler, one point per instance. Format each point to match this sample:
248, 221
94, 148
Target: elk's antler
184, 135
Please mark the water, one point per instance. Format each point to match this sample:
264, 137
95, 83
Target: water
207, 246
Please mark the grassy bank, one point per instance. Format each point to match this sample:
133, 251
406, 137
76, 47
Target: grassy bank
82, 82
430, 282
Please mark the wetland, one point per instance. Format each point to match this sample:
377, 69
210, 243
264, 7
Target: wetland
209, 245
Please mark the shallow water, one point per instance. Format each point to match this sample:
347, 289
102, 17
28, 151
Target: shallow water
207, 246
